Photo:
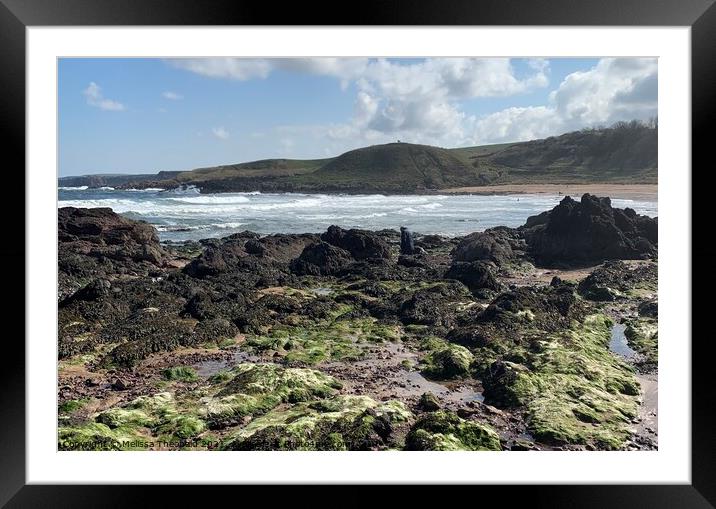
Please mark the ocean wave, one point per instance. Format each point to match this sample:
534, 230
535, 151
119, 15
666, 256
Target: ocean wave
211, 200
183, 191
106, 188
228, 225
430, 206
187, 214
70, 188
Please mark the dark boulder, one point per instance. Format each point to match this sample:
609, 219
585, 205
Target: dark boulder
547, 308
470, 336
477, 276
217, 259
429, 402
99, 244
361, 244
433, 306
495, 245
608, 281
417, 260
280, 247
431, 241
96, 289
589, 231
649, 308
499, 382
321, 259
101, 233
244, 252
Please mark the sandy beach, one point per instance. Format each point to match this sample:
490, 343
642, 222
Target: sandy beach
624, 191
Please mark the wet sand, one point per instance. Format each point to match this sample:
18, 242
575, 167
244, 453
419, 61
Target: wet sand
647, 192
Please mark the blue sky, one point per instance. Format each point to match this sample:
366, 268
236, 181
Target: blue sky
147, 115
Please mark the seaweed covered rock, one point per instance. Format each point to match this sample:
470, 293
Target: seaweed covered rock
478, 276
589, 231
321, 259
649, 308
128, 426
613, 279
100, 232
217, 259
340, 423
254, 389
493, 245
643, 336
429, 402
452, 361
548, 308
99, 244
445, 431
143, 333
507, 384
265, 257
361, 244
574, 391
433, 305
94, 290
280, 247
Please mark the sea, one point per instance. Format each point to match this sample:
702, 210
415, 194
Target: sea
186, 214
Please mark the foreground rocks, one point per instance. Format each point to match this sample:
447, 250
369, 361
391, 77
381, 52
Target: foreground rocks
588, 232
97, 242
351, 340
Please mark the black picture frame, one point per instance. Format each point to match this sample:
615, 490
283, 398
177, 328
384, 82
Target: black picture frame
16, 15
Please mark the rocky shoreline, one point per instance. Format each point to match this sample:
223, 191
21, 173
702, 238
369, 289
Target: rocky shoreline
360, 340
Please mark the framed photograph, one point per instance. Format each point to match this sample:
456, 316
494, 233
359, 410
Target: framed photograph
421, 245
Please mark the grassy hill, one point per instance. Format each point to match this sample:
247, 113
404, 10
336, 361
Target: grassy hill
263, 168
623, 153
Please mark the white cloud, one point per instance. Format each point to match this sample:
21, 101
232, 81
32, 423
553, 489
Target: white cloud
234, 68
243, 69
614, 89
172, 96
220, 133
93, 94
517, 124
423, 101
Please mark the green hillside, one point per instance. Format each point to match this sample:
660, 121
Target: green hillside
624, 153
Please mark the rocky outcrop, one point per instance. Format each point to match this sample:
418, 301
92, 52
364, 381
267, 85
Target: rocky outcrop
478, 276
361, 244
97, 243
494, 245
589, 231
321, 259
101, 233
280, 247
611, 280
242, 252
434, 305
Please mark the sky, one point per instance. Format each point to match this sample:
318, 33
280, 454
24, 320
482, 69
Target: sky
146, 115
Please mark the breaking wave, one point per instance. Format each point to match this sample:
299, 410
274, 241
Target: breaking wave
183, 214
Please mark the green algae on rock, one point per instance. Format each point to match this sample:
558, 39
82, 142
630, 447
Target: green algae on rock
334, 340
340, 423
181, 373
643, 336
450, 361
574, 391
120, 428
445, 431
254, 389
